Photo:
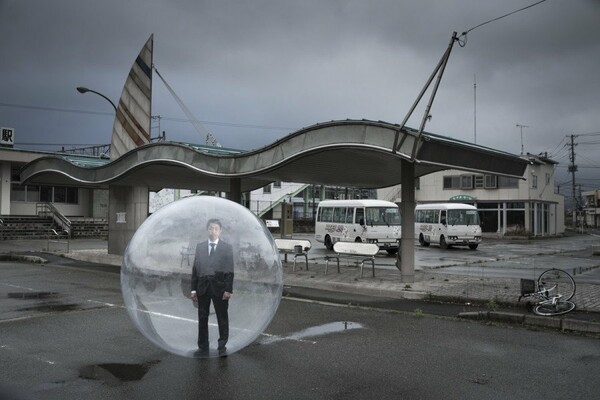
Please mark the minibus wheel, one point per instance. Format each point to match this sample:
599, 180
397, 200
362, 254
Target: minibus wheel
443, 243
328, 243
422, 241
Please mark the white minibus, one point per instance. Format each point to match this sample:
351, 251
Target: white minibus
369, 221
449, 224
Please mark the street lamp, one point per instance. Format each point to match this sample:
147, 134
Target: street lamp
82, 89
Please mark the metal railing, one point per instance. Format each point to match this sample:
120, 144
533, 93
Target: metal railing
55, 237
48, 209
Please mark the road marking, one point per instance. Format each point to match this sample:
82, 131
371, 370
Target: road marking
19, 287
38, 358
319, 330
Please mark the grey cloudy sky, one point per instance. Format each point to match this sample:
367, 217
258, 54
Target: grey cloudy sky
251, 67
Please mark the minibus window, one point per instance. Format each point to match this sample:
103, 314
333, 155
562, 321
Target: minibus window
360, 215
349, 215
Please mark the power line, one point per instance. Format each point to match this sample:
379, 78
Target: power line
464, 34
593, 162
112, 114
55, 109
557, 146
589, 134
594, 142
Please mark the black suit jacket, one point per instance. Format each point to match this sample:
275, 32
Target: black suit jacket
215, 273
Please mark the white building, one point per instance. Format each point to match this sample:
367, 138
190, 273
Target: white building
17, 199
507, 206
591, 208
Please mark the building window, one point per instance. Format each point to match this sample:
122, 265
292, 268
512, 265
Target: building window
46, 193
267, 189
60, 194
417, 183
52, 194
17, 192
479, 182
33, 194
277, 184
491, 181
72, 195
452, 182
505, 182
547, 178
534, 181
466, 181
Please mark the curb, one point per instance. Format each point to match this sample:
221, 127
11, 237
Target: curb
368, 291
562, 324
22, 257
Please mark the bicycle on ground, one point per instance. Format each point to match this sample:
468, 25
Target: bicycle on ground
552, 292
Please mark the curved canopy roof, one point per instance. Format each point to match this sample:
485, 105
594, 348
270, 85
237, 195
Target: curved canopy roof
354, 153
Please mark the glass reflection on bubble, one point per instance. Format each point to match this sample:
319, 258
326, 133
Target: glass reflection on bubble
157, 270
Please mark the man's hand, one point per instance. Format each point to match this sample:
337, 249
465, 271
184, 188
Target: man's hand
226, 295
194, 296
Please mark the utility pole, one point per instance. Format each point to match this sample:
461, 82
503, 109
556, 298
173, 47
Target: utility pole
572, 170
522, 126
475, 109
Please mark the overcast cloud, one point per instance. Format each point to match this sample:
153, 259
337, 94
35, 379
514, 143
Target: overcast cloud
290, 64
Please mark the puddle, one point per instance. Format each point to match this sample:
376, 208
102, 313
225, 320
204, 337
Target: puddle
31, 295
47, 307
114, 373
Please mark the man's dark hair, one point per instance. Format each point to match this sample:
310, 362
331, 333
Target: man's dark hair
214, 221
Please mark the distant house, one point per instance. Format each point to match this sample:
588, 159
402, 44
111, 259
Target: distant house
507, 206
591, 208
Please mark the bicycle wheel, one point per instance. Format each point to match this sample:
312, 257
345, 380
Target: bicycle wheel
547, 308
557, 282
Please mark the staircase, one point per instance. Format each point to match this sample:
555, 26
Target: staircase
26, 227
84, 227
32, 227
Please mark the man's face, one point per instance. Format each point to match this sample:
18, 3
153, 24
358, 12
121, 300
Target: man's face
214, 231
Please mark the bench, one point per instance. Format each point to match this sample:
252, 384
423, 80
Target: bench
297, 247
365, 251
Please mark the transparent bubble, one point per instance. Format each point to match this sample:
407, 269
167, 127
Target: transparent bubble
156, 275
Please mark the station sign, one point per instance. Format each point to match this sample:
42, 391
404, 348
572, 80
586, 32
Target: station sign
7, 136
462, 197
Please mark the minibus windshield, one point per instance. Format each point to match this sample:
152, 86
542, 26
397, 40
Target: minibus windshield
382, 216
463, 217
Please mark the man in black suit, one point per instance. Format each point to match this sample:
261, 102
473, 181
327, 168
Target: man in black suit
212, 280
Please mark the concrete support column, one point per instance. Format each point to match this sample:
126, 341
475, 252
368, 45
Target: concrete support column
535, 219
504, 218
127, 210
235, 190
5, 188
407, 210
306, 199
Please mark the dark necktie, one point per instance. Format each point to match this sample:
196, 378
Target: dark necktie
212, 249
